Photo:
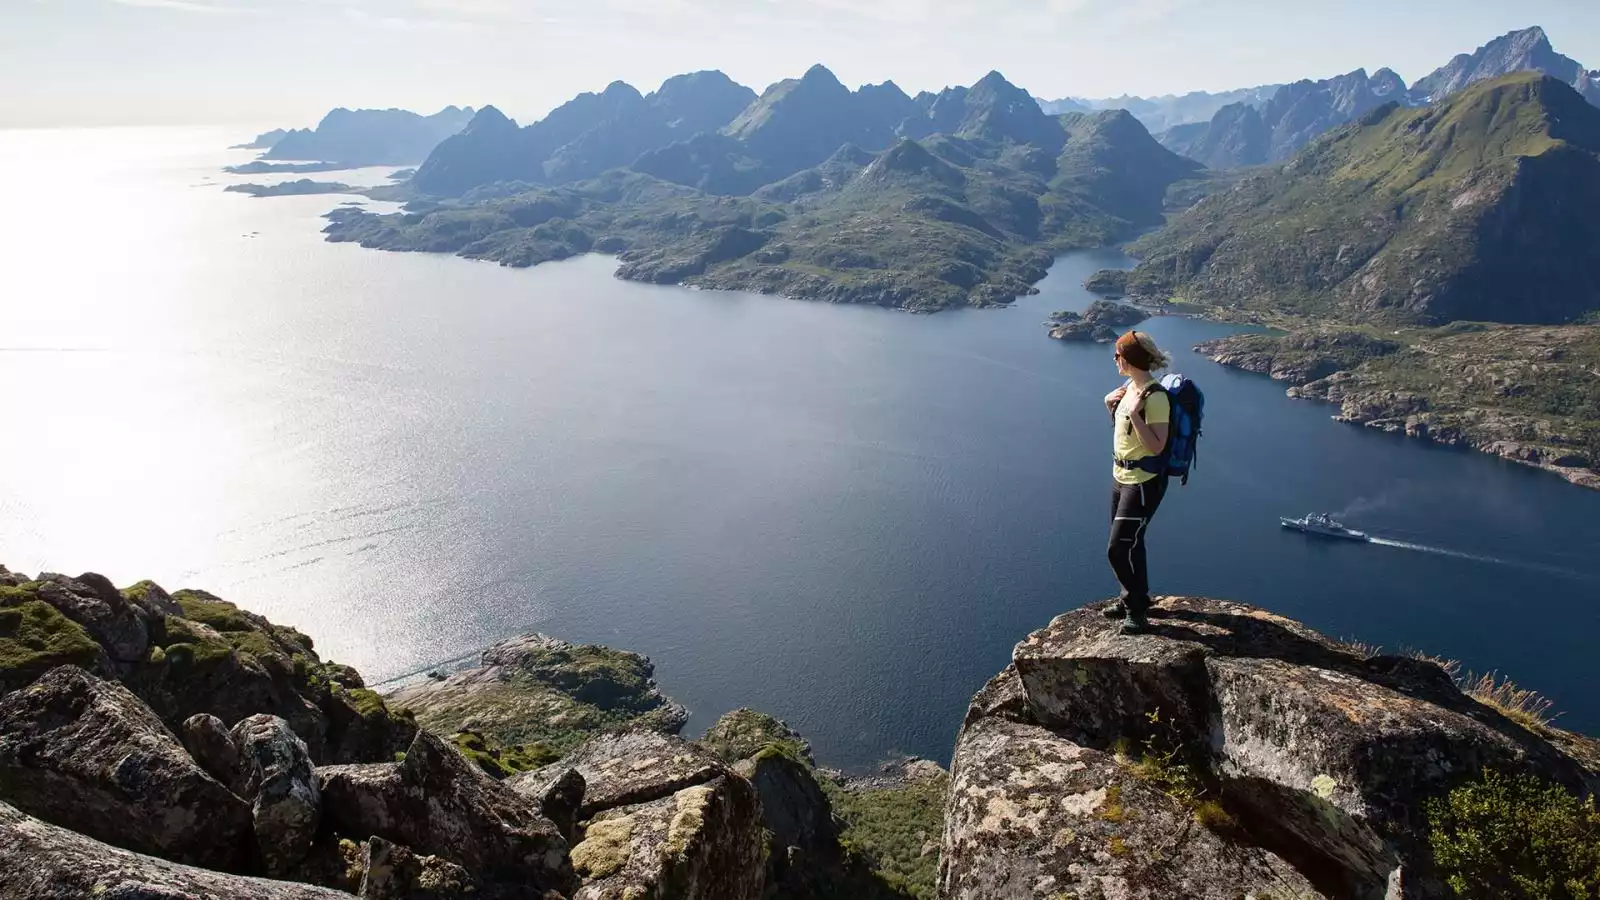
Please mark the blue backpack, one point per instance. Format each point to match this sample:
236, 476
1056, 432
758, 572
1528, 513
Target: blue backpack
1183, 436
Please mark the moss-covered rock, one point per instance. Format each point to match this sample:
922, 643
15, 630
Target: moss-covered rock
192, 653
35, 638
744, 732
502, 760
538, 691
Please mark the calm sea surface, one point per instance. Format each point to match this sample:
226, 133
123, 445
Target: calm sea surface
843, 516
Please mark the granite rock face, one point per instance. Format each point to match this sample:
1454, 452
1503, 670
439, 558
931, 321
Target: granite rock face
1312, 762
1033, 814
437, 803
40, 861
279, 780
795, 811
87, 755
661, 818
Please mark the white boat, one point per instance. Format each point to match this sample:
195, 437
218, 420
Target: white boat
1326, 526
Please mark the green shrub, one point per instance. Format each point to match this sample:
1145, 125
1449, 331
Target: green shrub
895, 831
1517, 838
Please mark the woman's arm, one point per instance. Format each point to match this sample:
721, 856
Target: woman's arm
1153, 437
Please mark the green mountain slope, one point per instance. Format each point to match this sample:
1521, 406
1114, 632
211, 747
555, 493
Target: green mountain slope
1480, 208
949, 220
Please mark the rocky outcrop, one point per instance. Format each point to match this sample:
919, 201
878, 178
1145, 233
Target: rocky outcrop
115, 624
86, 754
1033, 814
794, 810
745, 732
192, 653
535, 689
40, 861
661, 819
1297, 358
1228, 751
277, 777
1103, 322
436, 803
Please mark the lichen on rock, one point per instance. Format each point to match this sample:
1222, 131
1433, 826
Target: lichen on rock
1315, 762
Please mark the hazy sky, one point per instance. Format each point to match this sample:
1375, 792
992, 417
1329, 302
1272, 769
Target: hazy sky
285, 62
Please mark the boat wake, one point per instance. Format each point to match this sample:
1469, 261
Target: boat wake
1478, 557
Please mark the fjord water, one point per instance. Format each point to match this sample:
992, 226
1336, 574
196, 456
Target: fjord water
842, 516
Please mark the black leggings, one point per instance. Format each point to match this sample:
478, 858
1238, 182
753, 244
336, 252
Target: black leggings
1132, 507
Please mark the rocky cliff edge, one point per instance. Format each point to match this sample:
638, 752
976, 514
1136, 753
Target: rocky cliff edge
1228, 753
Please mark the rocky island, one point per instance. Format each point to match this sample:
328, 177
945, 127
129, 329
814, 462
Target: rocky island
176, 746
1102, 322
290, 188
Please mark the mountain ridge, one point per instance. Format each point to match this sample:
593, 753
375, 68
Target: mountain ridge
365, 137
1465, 210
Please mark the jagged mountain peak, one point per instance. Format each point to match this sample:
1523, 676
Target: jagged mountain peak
490, 116
1528, 49
820, 74
887, 88
617, 89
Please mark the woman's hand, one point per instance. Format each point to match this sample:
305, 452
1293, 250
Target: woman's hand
1115, 397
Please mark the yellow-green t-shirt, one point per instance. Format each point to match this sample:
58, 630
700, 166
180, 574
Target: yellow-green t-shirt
1125, 443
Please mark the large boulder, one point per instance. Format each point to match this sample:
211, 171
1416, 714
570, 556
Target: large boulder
634, 767
277, 777
661, 818
91, 601
87, 755
1320, 755
211, 745
700, 843
39, 861
437, 803
1032, 814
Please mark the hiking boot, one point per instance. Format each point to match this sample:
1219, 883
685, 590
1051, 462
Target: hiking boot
1134, 623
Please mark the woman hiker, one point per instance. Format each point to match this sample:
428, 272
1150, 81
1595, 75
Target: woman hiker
1141, 411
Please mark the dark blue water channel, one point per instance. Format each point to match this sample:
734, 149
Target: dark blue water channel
844, 516
847, 517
